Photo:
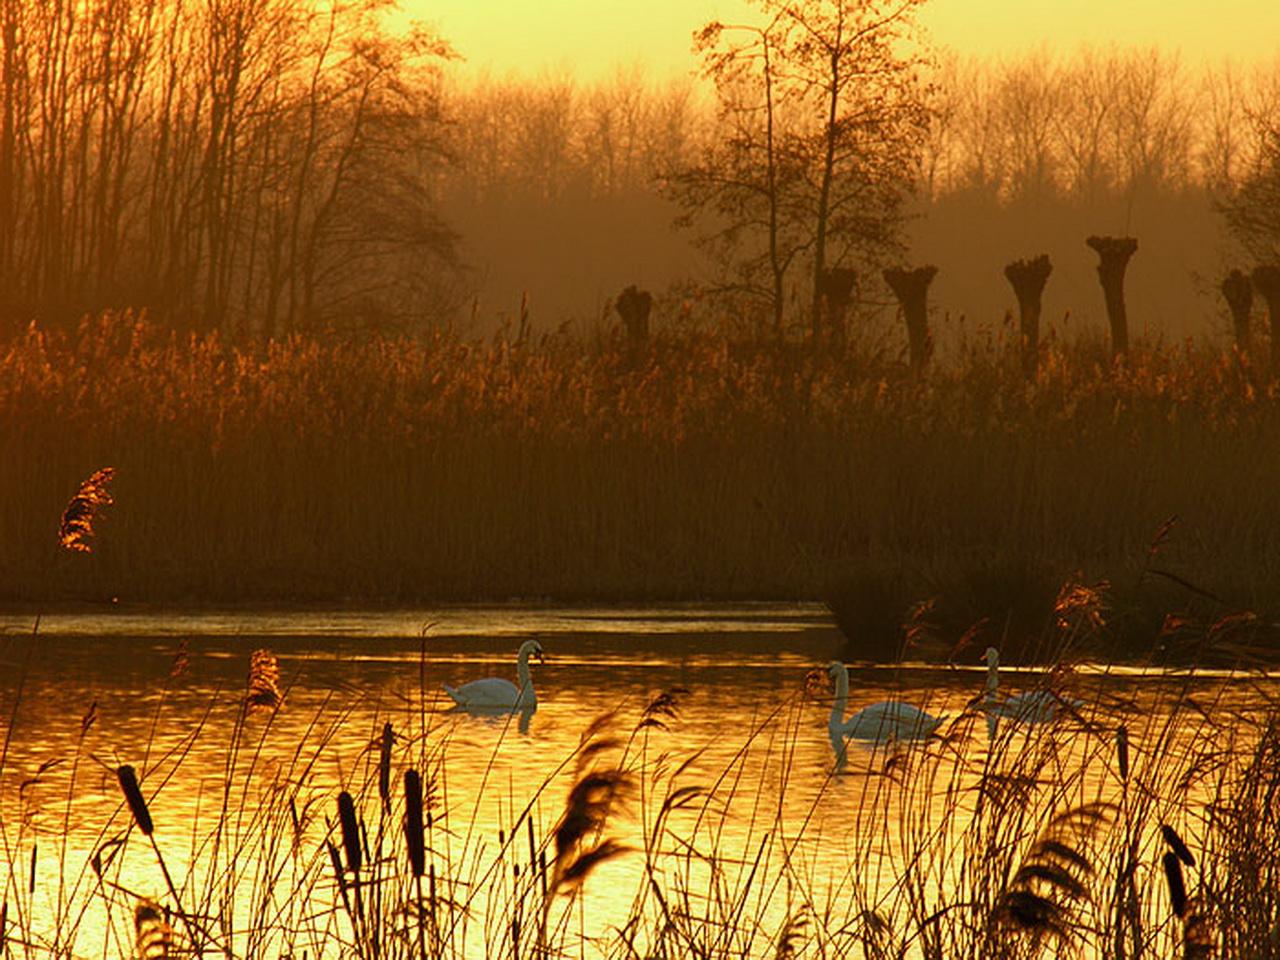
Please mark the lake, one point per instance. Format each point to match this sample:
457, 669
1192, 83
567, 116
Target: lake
719, 821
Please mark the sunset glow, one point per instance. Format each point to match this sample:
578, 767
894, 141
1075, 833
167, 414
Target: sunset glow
590, 39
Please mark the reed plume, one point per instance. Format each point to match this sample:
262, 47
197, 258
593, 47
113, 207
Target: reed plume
153, 936
594, 797
664, 707
76, 529
1044, 897
264, 682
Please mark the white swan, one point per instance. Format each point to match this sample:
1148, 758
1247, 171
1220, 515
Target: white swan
880, 722
1034, 706
495, 693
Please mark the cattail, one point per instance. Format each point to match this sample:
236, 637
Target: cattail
264, 682
350, 831
413, 832
1177, 888
4, 928
31, 876
1174, 842
336, 861
1122, 751
153, 935
533, 853
384, 766
75, 530
133, 796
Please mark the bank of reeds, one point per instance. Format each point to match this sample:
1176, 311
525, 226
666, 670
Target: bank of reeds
1064, 839
698, 466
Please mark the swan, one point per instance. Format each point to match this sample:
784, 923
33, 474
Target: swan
1034, 706
495, 693
879, 722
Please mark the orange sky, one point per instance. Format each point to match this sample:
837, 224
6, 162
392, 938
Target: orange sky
591, 37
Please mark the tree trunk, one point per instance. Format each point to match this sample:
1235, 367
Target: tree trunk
835, 293
1114, 254
1266, 280
911, 287
633, 306
1238, 293
1028, 278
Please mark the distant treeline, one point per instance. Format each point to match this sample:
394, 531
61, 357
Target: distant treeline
269, 166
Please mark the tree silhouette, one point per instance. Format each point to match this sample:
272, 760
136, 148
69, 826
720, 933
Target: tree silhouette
820, 123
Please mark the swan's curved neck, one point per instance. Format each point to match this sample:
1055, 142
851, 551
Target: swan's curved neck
842, 697
993, 677
522, 670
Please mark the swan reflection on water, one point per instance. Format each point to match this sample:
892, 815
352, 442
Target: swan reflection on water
523, 714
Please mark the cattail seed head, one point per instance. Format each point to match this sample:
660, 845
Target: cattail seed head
413, 832
1177, 888
1174, 842
350, 831
384, 766
133, 796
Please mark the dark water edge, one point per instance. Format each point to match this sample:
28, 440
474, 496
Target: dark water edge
856, 626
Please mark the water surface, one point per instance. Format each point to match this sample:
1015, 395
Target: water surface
164, 692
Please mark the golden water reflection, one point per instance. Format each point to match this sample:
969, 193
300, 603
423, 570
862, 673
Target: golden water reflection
763, 834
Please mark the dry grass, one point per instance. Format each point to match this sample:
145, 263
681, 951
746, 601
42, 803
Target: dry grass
441, 468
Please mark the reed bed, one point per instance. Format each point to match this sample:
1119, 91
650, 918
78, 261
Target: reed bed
1066, 839
699, 465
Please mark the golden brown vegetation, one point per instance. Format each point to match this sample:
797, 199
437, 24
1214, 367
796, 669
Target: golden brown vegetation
699, 466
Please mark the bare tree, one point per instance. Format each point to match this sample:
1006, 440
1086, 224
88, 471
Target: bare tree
821, 124
189, 155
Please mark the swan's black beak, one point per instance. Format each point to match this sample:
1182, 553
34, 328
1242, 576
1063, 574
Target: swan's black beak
540, 656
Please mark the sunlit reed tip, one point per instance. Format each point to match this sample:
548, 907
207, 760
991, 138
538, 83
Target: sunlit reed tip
153, 934
133, 796
264, 682
75, 530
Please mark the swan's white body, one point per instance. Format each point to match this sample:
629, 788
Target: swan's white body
1034, 706
496, 693
880, 722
